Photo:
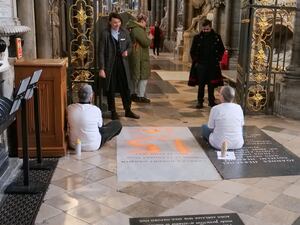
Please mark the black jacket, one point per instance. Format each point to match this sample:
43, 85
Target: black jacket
206, 53
108, 52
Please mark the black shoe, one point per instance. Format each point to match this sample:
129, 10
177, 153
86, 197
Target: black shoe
212, 104
144, 100
131, 114
114, 115
199, 105
134, 97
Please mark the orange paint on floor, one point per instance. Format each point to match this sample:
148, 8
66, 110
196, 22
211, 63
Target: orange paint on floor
181, 147
151, 131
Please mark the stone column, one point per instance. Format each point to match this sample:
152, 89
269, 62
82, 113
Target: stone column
169, 3
44, 33
234, 33
153, 11
188, 14
215, 19
15, 13
26, 14
158, 10
228, 24
173, 23
290, 94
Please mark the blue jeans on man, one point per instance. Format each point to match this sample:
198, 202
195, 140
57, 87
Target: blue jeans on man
206, 131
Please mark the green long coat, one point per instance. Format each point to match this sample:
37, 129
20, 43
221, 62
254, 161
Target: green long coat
139, 60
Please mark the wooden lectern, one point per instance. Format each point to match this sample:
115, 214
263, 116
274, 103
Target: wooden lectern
52, 105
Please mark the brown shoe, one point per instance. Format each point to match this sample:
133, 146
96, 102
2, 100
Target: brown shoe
131, 114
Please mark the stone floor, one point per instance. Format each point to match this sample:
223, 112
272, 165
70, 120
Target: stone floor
86, 191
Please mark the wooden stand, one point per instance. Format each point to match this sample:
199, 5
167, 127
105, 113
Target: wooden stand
52, 106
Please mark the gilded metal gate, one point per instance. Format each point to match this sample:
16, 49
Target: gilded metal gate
82, 40
265, 50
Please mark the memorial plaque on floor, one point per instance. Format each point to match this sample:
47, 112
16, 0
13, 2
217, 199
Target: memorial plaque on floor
261, 156
161, 154
210, 219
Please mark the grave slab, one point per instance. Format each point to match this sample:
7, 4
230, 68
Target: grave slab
161, 154
211, 219
261, 156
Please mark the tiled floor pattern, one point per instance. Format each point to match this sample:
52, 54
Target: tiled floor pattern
86, 191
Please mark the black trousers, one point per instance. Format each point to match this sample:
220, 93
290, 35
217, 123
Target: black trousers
110, 130
211, 96
156, 46
118, 83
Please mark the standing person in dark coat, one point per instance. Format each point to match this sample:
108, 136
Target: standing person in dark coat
157, 38
115, 45
206, 52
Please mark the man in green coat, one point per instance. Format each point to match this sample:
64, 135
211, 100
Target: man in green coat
139, 60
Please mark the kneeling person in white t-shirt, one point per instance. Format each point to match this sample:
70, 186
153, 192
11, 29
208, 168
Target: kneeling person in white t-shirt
225, 123
85, 122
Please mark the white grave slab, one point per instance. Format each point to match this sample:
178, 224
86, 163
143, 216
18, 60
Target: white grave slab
161, 154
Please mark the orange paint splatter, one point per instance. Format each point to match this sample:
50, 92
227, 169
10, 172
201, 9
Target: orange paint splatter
181, 147
151, 131
143, 148
152, 149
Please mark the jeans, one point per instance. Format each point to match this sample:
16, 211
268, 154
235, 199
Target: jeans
139, 87
206, 131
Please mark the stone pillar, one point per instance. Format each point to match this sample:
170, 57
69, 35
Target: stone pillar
26, 14
187, 35
173, 24
159, 7
43, 29
234, 34
290, 94
15, 13
188, 14
215, 19
153, 11
169, 2
228, 24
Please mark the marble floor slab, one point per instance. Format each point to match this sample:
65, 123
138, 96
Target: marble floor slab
161, 154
